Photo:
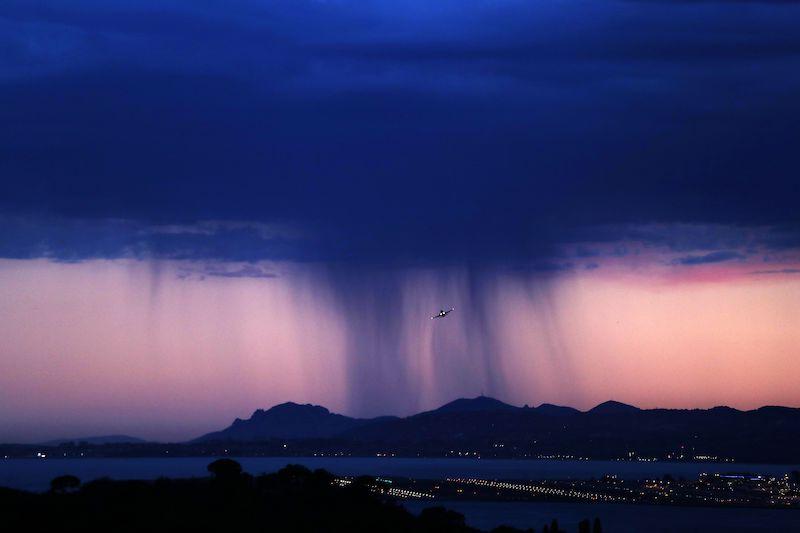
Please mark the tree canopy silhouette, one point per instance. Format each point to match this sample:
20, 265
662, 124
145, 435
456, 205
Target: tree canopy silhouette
292, 499
64, 483
225, 469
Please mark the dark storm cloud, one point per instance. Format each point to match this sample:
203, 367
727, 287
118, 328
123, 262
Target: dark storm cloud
713, 257
389, 131
690, 2
247, 271
778, 271
67, 239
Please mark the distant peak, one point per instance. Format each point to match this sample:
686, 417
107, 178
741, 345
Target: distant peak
776, 409
291, 407
479, 403
613, 407
287, 420
724, 409
551, 409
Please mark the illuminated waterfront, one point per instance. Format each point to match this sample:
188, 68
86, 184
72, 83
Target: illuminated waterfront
732, 490
708, 490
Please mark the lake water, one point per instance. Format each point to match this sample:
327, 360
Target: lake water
35, 474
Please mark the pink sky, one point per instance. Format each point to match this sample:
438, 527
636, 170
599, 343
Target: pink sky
134, 347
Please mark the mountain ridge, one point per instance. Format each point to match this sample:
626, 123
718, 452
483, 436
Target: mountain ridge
486, 427
479, 403
610, 429
287, 420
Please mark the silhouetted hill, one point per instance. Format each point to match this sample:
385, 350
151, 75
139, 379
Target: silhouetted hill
105, 439
287, 421
776, 410
555, 410
611, 430
613, 408
724, 409
481, 403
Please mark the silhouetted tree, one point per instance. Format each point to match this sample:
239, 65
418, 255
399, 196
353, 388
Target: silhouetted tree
292, 499
225, 469
65, 483
554, 526
584, 526
509, 529
441, 519
597, 528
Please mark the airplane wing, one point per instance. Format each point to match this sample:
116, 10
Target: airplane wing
443, 313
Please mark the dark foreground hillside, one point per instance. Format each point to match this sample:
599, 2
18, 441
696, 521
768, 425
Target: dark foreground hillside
293, 499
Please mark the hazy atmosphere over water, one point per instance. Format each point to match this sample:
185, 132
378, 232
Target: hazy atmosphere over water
208, 208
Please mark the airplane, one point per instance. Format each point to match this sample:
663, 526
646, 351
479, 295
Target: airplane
442, 313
